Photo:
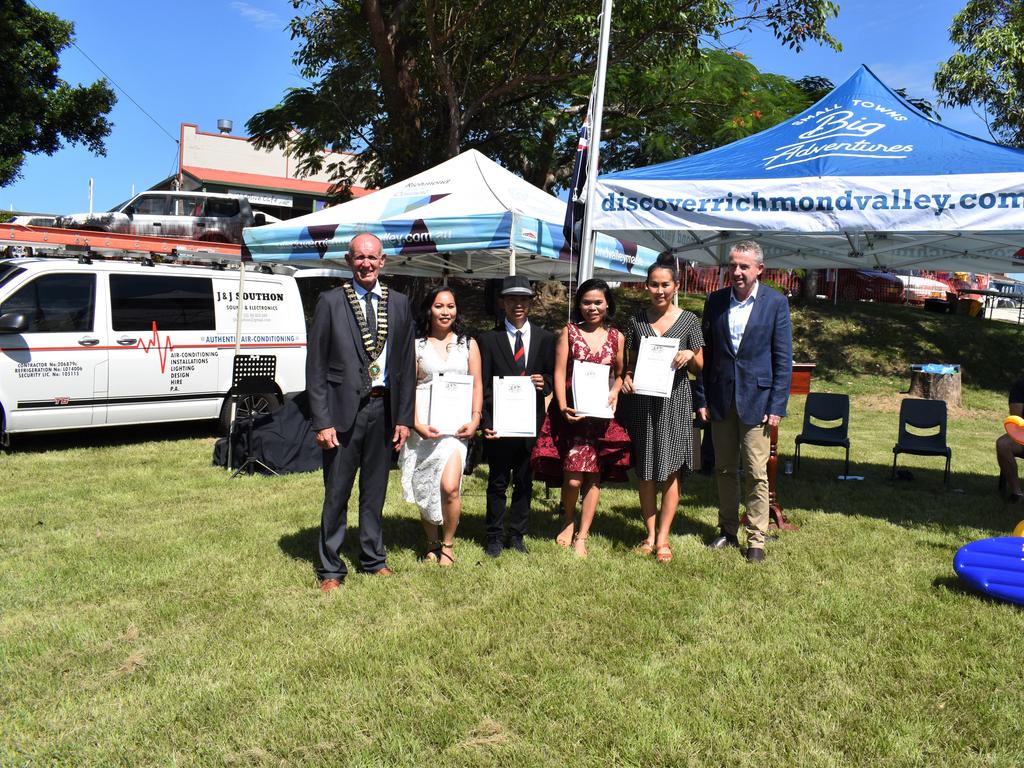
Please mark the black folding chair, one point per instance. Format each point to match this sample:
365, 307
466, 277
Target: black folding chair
928, 420
826, 423
251, 376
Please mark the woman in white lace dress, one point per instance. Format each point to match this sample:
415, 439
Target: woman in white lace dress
431, 462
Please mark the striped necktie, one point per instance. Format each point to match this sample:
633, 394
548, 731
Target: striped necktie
520, 353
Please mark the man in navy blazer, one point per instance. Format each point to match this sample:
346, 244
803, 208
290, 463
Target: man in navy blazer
748, 363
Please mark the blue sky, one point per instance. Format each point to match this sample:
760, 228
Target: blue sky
196, 61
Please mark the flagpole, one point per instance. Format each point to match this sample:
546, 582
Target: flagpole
586, 266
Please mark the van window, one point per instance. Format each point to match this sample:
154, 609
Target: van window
310, 289
188, 206
55, 303
151, 205
7, 272
173, 303
218, 206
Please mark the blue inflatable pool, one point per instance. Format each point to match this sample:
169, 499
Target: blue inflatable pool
994, 567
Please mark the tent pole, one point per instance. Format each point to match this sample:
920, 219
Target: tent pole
675, 297
721, 260
512, 246
588, 243
238, 348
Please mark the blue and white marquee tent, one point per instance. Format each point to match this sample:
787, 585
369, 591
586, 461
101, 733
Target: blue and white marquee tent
465, 217
859, 180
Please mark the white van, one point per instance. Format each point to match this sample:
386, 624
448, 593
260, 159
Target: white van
114, 342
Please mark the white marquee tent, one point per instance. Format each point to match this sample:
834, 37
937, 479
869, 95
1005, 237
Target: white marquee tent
465, 217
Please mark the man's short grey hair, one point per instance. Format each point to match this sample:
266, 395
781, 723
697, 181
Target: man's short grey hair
749, 246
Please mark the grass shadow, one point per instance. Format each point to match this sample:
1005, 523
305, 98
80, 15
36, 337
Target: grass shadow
108, 437
958, 587
921, 499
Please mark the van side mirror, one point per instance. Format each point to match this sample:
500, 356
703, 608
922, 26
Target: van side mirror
260, 219
128, 210
13, 322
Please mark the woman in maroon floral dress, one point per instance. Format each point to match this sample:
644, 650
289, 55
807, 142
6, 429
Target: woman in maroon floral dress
578, 452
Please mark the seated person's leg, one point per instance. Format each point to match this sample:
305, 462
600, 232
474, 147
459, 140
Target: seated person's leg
1007, 452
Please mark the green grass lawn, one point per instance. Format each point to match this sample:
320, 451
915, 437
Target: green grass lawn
153, 612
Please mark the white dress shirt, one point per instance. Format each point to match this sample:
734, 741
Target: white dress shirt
739, 315
377, 294
511, 331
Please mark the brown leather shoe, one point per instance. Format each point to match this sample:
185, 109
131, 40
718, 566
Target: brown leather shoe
329, 585
385, 571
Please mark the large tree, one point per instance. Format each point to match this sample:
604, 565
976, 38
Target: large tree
988, 69
409, 83
39, 112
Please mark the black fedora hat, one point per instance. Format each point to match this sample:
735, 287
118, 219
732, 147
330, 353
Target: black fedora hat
516, 285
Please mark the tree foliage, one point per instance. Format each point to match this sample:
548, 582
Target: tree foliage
410, 83
39, 112
988, 69
688, 106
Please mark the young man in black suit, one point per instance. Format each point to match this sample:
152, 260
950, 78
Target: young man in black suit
515, 348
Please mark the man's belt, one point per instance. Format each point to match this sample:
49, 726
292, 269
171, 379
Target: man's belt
378, 391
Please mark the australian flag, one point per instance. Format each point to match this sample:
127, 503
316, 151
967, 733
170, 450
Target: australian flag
576, 207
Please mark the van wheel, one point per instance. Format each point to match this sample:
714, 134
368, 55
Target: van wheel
256, 405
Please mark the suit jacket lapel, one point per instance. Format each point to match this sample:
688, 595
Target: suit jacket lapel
723, 324
531, 356
353, 325
506, 351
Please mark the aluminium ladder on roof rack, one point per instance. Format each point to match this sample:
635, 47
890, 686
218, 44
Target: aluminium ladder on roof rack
78, 242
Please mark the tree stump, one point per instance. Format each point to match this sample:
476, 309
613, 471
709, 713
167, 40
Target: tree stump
936, 386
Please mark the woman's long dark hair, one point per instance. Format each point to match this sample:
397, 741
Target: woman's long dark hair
593, 284
423, 319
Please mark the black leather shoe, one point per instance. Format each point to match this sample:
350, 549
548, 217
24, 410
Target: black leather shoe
724, 540
493, 548
517, 543
755, 555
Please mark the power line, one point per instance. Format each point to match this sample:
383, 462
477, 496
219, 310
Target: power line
115, 84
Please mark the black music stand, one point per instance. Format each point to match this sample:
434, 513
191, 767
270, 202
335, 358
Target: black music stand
251, 375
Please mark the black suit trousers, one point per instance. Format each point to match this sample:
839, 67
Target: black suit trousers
366, 448
509, 462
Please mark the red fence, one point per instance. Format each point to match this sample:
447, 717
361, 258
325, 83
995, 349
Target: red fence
706, 279
853, 284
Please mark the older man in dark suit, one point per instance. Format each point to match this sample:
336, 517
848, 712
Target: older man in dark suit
748, 363
361, 380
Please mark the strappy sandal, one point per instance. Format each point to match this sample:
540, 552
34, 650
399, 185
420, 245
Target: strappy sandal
442, 555
664, 553
577, 542
433, 551
645, 548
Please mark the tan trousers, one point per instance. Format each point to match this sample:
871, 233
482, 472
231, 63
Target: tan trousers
735, 441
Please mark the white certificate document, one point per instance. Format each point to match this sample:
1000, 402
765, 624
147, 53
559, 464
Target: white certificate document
515, 406
451, 402
590, 389
654, 374
423, 403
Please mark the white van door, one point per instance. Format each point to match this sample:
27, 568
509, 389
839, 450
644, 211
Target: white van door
54, 372
161, 366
